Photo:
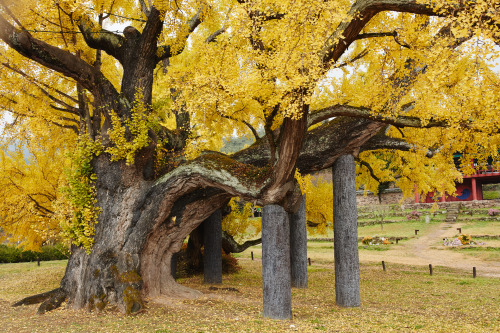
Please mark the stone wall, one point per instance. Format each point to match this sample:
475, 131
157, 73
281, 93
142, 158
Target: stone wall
395, 196
389, 197
463, 204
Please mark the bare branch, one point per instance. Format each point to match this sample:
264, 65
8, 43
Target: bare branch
37, 82
39, 207
71, 127
68, 108
383, 34
7, 10
194, 22
216, 34
263, 17
229, 245
254, 131
145, 8
73, 111
61, 25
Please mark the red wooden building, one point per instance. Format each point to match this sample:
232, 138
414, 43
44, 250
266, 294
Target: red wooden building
471, 188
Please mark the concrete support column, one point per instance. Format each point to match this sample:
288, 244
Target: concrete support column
212, 258
276, 271
298, 246
345, 228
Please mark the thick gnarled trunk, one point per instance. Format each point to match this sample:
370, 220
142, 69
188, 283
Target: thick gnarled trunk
140, 228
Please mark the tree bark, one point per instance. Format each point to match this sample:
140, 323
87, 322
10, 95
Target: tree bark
173, 265
347, 283
212, 257
276, 277
195, 243
298, 246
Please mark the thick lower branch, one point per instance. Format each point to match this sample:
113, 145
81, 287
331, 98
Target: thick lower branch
52, 57
229, 245
101, 39
340, 110
362, 11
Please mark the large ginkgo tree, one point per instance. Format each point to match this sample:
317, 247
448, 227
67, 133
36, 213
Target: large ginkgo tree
148, 105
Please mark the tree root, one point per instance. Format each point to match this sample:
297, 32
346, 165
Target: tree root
51, 300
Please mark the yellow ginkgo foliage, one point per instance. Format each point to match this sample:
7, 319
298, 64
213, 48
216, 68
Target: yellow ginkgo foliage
30, 181
240, 223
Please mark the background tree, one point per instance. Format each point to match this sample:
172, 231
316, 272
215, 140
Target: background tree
29, 191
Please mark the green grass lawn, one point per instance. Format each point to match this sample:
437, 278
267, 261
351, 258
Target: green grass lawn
404, 298
480, 227
402, 229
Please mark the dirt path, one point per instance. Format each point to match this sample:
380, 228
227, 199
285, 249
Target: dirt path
427, 249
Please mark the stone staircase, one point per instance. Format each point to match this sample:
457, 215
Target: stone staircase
451, 215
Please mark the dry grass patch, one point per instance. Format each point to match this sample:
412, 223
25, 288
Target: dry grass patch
405, 298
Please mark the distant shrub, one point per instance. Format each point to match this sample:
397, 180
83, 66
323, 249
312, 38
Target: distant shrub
12, 254
493, 212
9, 254
230, 264
413, 215
491, 195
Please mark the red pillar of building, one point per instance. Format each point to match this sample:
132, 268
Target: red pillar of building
474, 189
